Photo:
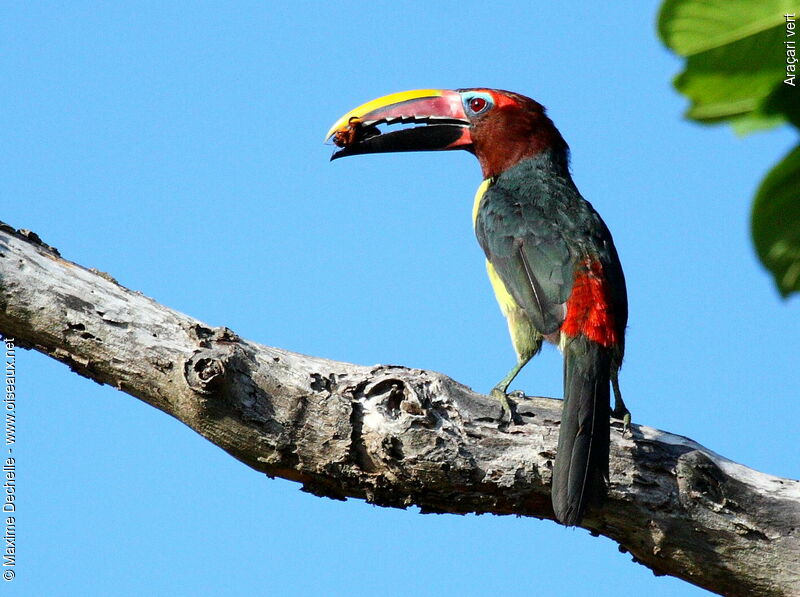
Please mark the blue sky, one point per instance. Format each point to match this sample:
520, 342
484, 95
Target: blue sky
179, 148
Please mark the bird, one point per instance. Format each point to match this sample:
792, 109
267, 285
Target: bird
550, 257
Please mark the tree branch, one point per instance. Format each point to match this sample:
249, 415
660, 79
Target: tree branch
399, 437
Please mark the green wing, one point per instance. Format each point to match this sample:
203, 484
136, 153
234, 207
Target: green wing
526, 245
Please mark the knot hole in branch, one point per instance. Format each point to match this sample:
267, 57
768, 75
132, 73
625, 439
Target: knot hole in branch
204, 374
395, 396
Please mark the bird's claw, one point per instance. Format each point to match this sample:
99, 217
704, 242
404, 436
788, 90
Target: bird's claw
625, 416
507, 415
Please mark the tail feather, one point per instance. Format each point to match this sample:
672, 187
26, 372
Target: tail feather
581, 465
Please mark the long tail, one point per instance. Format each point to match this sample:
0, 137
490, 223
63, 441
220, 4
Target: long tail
581, 466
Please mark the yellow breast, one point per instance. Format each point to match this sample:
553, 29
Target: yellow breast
524, 337
478, 196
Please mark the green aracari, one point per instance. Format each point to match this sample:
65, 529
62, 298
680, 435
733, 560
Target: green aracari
550, 257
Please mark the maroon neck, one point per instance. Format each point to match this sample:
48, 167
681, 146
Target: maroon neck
509, 135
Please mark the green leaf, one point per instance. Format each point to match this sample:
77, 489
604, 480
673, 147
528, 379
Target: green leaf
735, 56
776, 223
781, 105
694, 26
785, 100
756, 121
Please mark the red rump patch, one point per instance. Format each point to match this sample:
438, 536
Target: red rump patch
589, 310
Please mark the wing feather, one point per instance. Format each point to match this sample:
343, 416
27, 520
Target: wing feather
530, 256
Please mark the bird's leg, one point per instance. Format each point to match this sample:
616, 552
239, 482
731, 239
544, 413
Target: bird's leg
499, 391
620, 410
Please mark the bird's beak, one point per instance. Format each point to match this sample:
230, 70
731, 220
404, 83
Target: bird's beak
436, 118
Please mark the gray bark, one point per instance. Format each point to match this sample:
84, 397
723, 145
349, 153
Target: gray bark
399, 437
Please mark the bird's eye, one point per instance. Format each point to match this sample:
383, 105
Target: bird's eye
476, 104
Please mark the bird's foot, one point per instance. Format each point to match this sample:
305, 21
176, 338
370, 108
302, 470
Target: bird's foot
625, 416
507, 415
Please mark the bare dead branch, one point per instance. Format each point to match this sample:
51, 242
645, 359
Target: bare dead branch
399, 437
